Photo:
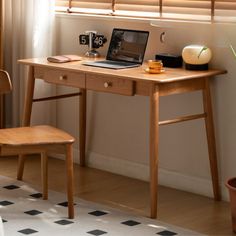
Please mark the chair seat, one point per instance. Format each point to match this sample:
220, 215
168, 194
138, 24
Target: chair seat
35, 135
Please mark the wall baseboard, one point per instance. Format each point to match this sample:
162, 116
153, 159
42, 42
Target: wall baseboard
139, 171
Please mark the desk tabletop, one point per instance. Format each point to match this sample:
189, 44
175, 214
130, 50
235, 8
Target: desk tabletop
136, 74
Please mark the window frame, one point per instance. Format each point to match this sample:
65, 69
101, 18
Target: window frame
212, 18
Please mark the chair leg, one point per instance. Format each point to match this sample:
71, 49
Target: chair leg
70, 180
44, 174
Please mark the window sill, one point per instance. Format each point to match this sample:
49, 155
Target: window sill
161, 23
102, 17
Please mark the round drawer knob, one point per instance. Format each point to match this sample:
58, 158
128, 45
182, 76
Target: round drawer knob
107, 84
62, 77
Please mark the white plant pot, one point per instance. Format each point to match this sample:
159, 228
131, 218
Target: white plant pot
196, 56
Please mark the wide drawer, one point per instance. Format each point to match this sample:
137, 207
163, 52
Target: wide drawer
110, 84
61, 77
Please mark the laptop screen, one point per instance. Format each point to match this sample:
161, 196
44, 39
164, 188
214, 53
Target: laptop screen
127, 45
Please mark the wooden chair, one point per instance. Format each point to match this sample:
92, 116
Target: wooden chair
38, 139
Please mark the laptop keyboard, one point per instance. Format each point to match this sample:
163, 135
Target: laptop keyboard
116, 63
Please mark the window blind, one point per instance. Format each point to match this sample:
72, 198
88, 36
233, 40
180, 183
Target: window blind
187, 10
199, 10
140, 8
85, 6
225, 10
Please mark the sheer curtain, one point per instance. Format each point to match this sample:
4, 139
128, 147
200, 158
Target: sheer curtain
28, 32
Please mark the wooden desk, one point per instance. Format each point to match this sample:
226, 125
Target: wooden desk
128, 82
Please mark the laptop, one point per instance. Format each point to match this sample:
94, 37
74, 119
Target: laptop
126, 50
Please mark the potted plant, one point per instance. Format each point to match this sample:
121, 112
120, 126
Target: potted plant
231, 185
232, 49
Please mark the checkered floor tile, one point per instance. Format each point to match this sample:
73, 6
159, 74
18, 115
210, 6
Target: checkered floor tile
24, 212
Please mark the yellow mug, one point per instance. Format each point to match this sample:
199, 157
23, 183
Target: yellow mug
155, 64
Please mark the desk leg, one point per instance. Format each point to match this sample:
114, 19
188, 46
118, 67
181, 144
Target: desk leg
211, 139
26, 115
153, 148
82, 125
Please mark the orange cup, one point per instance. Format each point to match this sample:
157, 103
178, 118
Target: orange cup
155, 64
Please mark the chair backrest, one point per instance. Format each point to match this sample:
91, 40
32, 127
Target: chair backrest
5, 82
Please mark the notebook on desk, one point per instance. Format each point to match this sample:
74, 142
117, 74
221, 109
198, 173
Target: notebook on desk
127, 49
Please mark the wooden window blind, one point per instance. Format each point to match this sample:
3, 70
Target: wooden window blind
199, 10
85, 6
187, 10
225, 10
138, 8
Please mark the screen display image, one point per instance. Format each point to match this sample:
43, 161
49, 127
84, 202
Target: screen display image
127, 45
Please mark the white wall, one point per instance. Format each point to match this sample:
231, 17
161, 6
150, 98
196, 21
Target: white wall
117, 127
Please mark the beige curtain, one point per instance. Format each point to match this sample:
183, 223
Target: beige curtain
1, 31
1, 61
28, 32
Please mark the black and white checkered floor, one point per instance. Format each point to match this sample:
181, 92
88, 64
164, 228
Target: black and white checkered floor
24, 212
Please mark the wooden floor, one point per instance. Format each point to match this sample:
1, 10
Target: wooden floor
180, 208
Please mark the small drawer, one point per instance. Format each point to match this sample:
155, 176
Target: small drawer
61, 77
110, 84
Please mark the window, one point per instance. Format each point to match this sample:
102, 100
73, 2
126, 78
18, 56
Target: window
85, 6
187, 10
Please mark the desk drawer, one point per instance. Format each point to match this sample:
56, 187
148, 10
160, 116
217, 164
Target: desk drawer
61, 77
110, 84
